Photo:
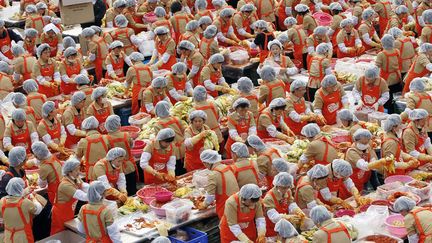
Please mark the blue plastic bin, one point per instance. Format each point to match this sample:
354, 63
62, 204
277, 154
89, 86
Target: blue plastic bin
124, 114
195, 236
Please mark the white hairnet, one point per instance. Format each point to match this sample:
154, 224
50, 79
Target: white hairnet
260, 24
17, 155
88, 32
240, 149
70, 51
392, 121
192, 25
40, 150
362, 133
300, 8
70, 165
42, 48
200, 4
17, 50
116, 44
113, 123
346, 22
320, 30
280, 165
115, 153
96, 191
98, 92
161, 239
319, 214
121, 21
161, 30
245, 85
119, 4
210, 31
335, 6
19, 99
97, 29
255, 142
19, 115
283, 38
401, 10
427, 16
216, 58
136, 56
226, 12
210, 156
165, 133
247, 8
186, 45
77, 97
318, 171
90, 123
199, 93
218, 3
30, 85
205, 20
425, 47
329, 80
41, 5
342, 167
56, 20
47, 108
162, 109
283, 179
81, 79
197, 113
274, 42
29, 9
346, 115
250, 191
395, 32
159, 82
417, 85
418, 114
268, 73
404, 204
296, 84
285, 229
322, 48
15, 187
131, 3
310, 130
241, 101
387, 42
367, 13
159, 12
290, 21
31, 33
4, 67
372, 72
278, 102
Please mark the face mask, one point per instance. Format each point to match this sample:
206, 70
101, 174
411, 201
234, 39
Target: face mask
362, 146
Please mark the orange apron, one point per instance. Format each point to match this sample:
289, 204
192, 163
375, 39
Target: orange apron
403, 42
36, 97
420, 142
71, 139
48, 72
162, 48
27, 225
246, 221
195, 79
177, 19
383, 21
360, 177
329, 232
91, 141
212, 107
298, 49
300, 185
21, 137
214, 78
221, 198
26, 72
125, 31
5, 46
105, 237
296, 127
242, 127
321, 72
422, 234
332, 103
55, 133
327, 144
156, 99
350, 42
207, 42
101, 115
371, 34
124, 143
237, 170
159, 163
271, 86
280, 207
412, 75
192, 159
373, 92
30, 48
53, 186
98, 62
117, 67
179, 84
385, 72
246, 23
397, 156
334, 185
71, 70
174, 121
262, 15
53, 44
263, 133
224, 30
269, 154
282, 14
264, 52
136, 88
112, 177
62, 212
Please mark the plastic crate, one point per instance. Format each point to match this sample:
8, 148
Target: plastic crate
124, 114
195, 236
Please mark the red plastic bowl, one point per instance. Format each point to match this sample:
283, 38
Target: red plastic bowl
253, 52
139, 144
158, 211
323, 19
402, 178
344, 212
163, 196
150, 17
147, 194
364, 208
380, 203
133, 131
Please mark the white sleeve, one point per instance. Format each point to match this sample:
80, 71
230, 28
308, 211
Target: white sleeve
60, 47
81, 228
252, 130
421, 21
34, 137
260, 223
410, 19
71, 128
242, 31
312, 204
121, 182
384, 98
4, 58
230, 30
189, 86
292, 71
326, 194
16, 76
209, 199
135, 40
80, 195
293, 206
110, 69
85, 186
362, 165
272, 130
311, 49
165, 57
63, 131
273, 215
171, 165
235, 229
104, 180
221, 37
42, 183
38, 208
209, 85
294, 116
429, 67
345, 99
354, 20
342, 47
47, 139
173, 92
413, 238
233, 133
83, 71
221, 80
144, 160
288, 11
330, 32
303, 158
92, 57
109, 24
194, 70
56, 76
253, 45
318, 111
367, 39
427, 143
188, 142
356, 94
41, 80
349, 184
114, 233
65, 78
7, 141
149, 107
128, 61
358, 42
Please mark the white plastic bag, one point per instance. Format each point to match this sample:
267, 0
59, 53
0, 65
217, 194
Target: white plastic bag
147, 47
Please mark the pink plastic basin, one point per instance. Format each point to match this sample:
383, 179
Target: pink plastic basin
323, 19
150, 17
158, 211
398, 231
163, 196
402, 178
344, 212
147, 193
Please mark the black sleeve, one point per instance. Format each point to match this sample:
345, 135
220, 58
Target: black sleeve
259, 40
3, 182
14, 36
99, 12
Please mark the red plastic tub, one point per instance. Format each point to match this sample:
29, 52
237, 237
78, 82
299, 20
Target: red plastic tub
147, 194
133, 131
163, 196
344, 212
150, 17
323, 19
139, 144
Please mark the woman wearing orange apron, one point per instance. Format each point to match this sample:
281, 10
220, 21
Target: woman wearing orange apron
72, 118
284, 10
115, 61
195, 134
243, 21
421, 66
50, 129
98, 51
263, 37
46, 72
241, 124
218, 192
158, 159
270, 122
384, 11
226, 35
194, 60
96, 219
330, 231
19, 132
34, 99
70, 190
329, 99
69, 69
165, 49
249, 225
367, 30
153, 94
178, 87
6, 45
297, 114
208, 45
297, 35
30, 36
348, 41
52, 37
22, 68
49, 170
100, 108
211, 76
371, 90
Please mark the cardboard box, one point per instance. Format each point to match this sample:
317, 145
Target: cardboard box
77, 13
65, 236
74, 2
